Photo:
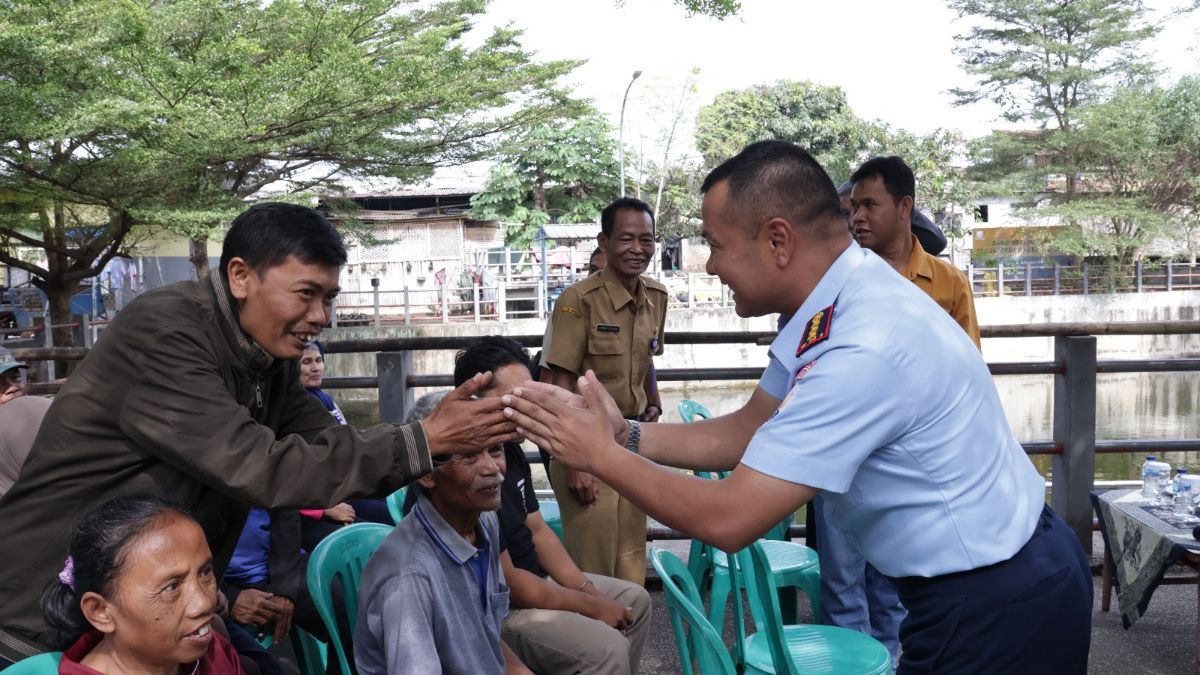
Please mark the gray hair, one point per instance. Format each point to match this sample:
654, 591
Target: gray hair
424, 406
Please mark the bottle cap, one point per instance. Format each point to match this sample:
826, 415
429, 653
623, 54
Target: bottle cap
1150, 458
1181, 470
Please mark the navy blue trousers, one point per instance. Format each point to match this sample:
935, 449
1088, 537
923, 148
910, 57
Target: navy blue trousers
1030, 614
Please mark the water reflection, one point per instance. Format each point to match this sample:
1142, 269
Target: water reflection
1128, 405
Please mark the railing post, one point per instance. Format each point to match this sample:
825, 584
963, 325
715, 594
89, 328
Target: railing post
445, 304
1085, 278
1028, 280
333, 314
1057, 276
691, 289
375, 298
1075, 432
1138, 273
48, 340
1000, 279
1170, 277
395, 396
85, 325
475, 292
541, 301
971, 278
407, 309
501, 303
724, 295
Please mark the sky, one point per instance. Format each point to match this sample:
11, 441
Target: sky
894, 60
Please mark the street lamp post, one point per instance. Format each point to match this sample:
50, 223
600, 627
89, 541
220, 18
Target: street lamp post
621, 129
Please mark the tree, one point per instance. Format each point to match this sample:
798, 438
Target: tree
1139, 154
814, 116
175, 112
1046, 62
563, 171
307, 93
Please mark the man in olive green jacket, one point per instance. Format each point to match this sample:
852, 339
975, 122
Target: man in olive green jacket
193, 394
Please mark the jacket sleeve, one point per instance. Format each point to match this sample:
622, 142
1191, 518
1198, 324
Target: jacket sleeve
964, 309
283, 561
179, 410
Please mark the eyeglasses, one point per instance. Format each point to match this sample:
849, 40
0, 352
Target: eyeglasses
469, 458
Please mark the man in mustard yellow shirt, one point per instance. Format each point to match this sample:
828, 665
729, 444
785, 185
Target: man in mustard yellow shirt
613, 323
881, 209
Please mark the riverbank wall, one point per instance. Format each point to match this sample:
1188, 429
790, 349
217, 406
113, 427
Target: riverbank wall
1166, 306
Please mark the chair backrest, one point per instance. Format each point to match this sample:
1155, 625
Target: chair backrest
689, 410
42, 664
698, 642
395, 502
750, 571
342, 556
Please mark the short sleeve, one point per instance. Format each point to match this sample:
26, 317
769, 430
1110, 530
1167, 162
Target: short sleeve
775, 379
843, 406
964, 307
662, 326
568, 339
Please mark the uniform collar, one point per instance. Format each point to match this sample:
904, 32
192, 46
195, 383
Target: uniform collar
248, 351
447, 539
825, 294
918, 264
616, 291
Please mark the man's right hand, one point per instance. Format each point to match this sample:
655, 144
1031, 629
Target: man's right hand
582, 485
462, 424
342, 513
254, 608
611, 612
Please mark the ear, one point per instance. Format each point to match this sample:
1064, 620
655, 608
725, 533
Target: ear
427, 481
238, 273
905, 206
98, 612
601, 240
780, 238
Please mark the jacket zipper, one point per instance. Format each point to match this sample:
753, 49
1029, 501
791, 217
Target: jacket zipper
258, 393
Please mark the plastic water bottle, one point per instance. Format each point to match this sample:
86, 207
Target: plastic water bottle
1182, 492
1165, 491
1149, 478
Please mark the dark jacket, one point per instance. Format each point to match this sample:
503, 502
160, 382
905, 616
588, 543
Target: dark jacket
176, 400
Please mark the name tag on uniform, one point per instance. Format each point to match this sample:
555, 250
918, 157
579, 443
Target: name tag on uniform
607, 328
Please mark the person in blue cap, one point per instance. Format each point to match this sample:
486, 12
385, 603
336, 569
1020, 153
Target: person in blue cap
873, 397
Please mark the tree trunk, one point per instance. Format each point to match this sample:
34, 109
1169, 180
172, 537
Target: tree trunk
59, 300
198, 254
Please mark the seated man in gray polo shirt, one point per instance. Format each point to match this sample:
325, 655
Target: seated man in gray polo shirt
432, 597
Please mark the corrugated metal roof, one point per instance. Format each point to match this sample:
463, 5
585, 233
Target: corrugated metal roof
461, 190
570, 230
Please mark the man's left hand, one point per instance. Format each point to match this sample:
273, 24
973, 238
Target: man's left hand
581, 438
652, 412
460, 424
283, 621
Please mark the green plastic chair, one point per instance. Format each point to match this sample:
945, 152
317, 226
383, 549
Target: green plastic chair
793, 565
777, 649
42, 664
342, 556
697, 641
552, 516
311, 654
395, 502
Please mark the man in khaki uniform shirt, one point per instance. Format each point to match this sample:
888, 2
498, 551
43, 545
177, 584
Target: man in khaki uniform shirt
611, 323
882, 202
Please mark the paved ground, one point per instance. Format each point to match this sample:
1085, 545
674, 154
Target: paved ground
1161, 643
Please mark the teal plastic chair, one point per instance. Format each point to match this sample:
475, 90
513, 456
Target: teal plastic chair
42, 664
342, 556
777, 649
701, 651
395, 502
553, 517
311, 653
793, 565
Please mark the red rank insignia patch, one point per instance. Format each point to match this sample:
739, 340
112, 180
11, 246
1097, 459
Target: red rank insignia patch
817, 330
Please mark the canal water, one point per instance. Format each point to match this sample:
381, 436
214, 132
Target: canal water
1128, 406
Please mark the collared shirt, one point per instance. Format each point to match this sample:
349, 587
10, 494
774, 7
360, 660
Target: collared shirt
895, 417
430, 601
598, 325
946, 284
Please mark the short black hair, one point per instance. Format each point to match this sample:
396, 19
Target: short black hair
597, 251
777, 178
486, 355
608, 217
897, 177
266, 234
97, 550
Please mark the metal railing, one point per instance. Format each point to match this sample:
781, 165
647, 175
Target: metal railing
1073, 445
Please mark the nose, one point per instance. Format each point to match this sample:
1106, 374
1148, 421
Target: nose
857, 215
318, 313
203, 601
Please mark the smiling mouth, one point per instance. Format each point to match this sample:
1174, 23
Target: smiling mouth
305, 338
200, 633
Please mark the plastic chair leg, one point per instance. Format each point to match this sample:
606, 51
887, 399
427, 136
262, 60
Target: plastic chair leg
717, 598
811, 585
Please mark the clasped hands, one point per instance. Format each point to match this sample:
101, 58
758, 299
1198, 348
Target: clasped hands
582, 430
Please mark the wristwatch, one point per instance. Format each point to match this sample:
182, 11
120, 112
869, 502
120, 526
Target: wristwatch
634, 439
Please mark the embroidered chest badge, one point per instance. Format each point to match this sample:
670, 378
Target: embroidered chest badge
817, 330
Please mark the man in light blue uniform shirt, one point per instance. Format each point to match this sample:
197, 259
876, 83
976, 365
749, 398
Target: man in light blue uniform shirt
875, 398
